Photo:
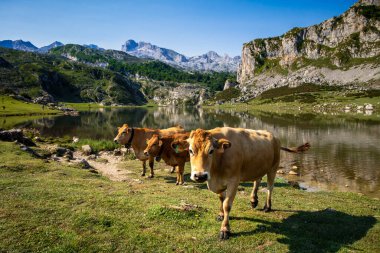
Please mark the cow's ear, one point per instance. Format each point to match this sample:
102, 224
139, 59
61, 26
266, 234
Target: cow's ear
180, 146
223, 144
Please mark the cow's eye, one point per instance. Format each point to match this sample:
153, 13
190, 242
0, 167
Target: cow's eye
191, 152
211, 151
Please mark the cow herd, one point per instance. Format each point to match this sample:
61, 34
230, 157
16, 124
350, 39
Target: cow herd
223, 157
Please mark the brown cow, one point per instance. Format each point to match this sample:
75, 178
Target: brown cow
226, 156
136, 137
161, 147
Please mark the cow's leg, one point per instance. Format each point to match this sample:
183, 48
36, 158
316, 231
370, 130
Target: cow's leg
254, 198
181, 169
270, 178
225, 230
144, 168
222, 196
172, 170
177, 175
151, 164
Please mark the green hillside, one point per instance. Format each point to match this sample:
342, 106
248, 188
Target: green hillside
126, 64
29, 74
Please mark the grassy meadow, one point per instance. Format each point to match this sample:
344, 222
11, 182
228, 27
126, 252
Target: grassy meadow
48, 206
12, 107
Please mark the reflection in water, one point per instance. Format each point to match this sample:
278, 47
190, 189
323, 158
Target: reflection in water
344, 154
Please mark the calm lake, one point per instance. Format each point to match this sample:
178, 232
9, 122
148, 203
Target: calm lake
344, 154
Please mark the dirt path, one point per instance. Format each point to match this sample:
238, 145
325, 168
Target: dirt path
108, 165
114, 167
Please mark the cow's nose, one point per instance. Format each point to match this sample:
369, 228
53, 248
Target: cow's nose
200, 177
114, 140
146, 153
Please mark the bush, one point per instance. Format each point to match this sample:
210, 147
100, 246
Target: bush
228, 94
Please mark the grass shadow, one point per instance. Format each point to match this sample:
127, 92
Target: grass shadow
319, 231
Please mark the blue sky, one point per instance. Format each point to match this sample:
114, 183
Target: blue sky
191, 27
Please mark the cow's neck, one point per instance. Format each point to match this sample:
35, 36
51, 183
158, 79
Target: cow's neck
140, 136
166, 154
217, 183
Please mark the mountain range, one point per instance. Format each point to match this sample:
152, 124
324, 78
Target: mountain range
29, 47
210, 61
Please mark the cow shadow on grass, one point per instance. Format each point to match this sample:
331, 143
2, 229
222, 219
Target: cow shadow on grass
320, 231
173, 179
264, 184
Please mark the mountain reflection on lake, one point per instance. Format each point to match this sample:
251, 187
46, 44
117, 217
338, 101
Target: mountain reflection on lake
344, 153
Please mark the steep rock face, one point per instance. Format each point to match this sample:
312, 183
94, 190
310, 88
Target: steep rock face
210, 61
342, 42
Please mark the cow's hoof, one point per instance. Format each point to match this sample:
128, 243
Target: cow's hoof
224, 235
220, 217
172, 170
177, 183
181, 183
254, 204
267, 209
143, 174
151, 176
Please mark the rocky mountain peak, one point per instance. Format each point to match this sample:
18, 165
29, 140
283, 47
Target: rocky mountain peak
19, 45
129, 45
210, 61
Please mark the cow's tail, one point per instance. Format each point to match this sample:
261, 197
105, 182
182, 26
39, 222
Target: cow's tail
299, 149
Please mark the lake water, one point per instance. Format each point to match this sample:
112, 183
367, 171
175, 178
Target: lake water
344, 154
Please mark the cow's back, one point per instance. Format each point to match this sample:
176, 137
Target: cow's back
171, 131
252, 153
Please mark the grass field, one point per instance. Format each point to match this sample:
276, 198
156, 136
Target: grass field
12, 107
51, 207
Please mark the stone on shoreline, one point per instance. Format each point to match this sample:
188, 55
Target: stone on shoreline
84, 164
86, 150
16, 135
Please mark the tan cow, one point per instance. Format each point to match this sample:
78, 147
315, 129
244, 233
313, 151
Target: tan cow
226, 156
136, 137
161, 147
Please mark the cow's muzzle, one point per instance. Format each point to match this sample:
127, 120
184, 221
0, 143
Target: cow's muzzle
146, 153
200, 177
115, 140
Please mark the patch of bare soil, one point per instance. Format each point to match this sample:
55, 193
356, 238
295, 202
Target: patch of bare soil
107, 164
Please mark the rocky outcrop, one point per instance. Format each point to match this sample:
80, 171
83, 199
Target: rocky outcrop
348, 42
210, 61
183, 94
229, 84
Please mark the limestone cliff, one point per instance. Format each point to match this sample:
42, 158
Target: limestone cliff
338, 51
